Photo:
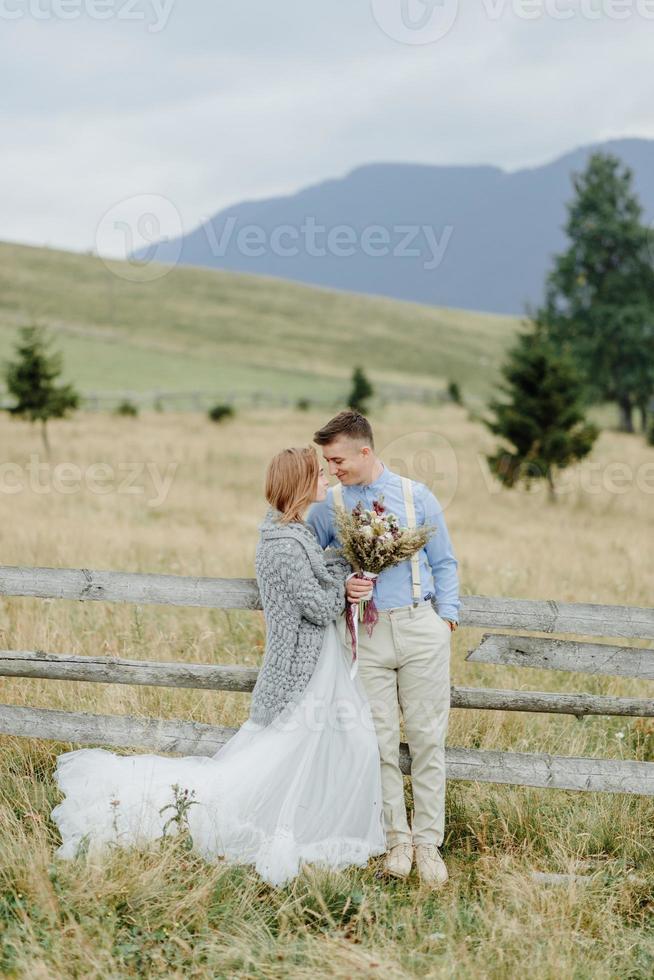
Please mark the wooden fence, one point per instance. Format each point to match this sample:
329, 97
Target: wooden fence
201, 400
192, 738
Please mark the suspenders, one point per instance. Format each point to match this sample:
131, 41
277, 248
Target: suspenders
407, 490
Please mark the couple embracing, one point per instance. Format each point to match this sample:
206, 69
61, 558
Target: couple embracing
313, 776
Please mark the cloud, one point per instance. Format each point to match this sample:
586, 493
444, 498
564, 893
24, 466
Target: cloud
252, 100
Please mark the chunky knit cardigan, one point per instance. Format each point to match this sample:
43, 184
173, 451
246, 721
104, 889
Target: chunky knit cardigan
302, 590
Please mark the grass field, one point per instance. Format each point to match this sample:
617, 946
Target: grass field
164, 912
201, 329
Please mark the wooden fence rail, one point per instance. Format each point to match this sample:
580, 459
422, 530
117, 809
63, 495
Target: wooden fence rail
551, 654
194, 738
200, 400
191, 738
538, 615
222, 677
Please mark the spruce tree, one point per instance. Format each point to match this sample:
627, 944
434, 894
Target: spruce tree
361, 391
542, 417
31, 377
599, 297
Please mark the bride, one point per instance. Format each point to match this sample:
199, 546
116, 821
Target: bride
300, 781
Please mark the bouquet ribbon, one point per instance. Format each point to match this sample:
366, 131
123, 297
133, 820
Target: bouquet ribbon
365, 611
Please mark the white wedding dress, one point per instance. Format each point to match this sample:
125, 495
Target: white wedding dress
306, 788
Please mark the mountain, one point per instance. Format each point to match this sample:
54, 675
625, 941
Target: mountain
482, 237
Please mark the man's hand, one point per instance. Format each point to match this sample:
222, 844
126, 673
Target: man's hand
452, 624
357, 589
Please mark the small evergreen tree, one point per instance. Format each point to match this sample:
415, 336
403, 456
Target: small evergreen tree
31, 377
220, 412
543, 419
360, 392
599, 297
454, 392
126, 407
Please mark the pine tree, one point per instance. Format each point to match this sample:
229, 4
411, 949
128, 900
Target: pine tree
30, 378
361, 391
599, 297
454, 392
542, 418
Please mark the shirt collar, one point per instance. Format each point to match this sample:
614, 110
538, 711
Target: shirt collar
378, 484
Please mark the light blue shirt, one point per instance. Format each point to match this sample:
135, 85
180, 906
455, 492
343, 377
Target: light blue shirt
438, 566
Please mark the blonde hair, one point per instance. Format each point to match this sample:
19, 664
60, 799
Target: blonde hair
291, 480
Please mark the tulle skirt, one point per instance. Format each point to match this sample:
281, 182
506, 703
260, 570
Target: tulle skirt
306, 788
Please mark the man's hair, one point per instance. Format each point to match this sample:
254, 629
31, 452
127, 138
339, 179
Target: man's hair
350, 424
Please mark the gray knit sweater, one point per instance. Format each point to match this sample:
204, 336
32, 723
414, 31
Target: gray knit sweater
302, 589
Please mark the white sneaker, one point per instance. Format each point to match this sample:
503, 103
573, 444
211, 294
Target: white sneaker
431, 866
399, 860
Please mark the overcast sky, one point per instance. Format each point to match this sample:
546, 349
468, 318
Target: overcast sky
209, 102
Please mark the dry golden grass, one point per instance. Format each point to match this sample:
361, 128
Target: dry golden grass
164, 912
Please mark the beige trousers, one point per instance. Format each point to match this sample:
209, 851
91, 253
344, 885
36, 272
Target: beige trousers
406, 664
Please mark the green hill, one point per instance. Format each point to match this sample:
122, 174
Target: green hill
236, 334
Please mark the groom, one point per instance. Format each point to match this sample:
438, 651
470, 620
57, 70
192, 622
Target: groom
405, 664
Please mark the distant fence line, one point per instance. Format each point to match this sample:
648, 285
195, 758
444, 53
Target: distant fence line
202, 400
186, 737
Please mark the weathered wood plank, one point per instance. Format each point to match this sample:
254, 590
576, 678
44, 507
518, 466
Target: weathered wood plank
560, 703
136, 587
551, 771
550, 616
570, 655
222, 677
114, 670
545, 616
121, 731
193, 738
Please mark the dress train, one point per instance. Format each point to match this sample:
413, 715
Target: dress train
306, 788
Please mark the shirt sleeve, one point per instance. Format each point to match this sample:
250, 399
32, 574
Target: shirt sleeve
320, 519
442, 561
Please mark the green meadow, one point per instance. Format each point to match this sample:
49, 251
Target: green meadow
199, 329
